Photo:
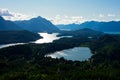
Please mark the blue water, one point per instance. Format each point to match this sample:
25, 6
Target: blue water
75, 54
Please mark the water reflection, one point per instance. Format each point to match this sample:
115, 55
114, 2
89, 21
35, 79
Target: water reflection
8, 45
47, 38
77, 53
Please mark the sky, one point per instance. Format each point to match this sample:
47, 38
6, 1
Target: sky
61, 11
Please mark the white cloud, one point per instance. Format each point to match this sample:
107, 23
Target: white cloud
5, 12
118, 19
13, 15
101, 15
58, 19
111, 15
107, 15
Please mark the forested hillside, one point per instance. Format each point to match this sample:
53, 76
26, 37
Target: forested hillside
27, 62
7, 37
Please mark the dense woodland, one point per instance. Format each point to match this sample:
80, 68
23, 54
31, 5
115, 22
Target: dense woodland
27, 62
82, 33
7, 37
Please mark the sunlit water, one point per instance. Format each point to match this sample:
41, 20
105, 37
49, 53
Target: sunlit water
47, 38
78, 53
8, 45
75, 54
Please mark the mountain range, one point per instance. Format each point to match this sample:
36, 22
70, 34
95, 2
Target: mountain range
6, 25
37, 24
112, 26
40, 24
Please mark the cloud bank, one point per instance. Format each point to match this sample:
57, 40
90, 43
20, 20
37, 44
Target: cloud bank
58, 19
6, 14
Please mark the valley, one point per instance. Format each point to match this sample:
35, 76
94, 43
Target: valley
42, 54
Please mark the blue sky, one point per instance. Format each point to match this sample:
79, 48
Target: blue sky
62, 11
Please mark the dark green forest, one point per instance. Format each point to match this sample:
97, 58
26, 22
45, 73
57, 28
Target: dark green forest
7, 37
28, 62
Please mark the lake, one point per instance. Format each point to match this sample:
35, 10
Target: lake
12, 44
75, 54
47, 38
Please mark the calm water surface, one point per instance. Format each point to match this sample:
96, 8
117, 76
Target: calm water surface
77, 53
47, 38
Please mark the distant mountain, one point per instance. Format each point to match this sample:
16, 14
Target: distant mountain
7, 37
68, 27
112, 26
82, 33
8, 25
38, 24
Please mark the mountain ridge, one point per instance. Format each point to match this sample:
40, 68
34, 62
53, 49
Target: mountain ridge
111, 26
37, 24
6, 25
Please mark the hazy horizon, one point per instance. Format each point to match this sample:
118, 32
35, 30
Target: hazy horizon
61, 11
